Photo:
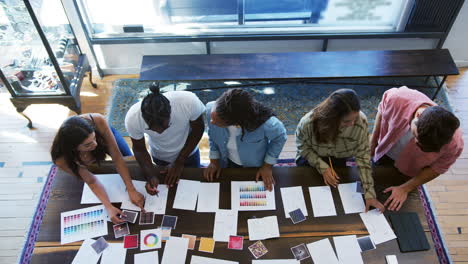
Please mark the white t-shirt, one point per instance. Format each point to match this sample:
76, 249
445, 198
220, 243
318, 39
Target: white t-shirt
233, 153
395, 151
185, 107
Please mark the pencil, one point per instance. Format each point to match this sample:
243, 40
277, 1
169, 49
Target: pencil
331, 166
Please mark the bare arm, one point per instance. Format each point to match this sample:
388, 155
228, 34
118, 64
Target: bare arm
197, 127
96, 187
400, 193
118, 160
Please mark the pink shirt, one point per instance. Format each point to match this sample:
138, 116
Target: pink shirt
397, 109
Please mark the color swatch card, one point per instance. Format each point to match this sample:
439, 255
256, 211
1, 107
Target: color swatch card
175, 251
112, 183
251, 196
157, 203
150, 239
352, 200
146, 258
348, 250
186, 195
322, 201
83, 223
263, 228
208, 198
114, 254
225, 225
293, 198
205, 260
322, 252
86, 254
378, 227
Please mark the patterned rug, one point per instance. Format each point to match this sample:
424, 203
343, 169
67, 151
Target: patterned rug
289, 101
28, 249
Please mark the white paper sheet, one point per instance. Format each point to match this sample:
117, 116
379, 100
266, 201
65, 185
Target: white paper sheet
205, 260
86, 254
352, 200
275, 261
150, 239
322, 252
377, 226
208, 197
126, 203
83, 223
186, 195
112, 183
225, 225
175, 251
115, 253
293, 198
263, 228
157, 204
251, 196
348, 250
391, 259
322, 201
147, 258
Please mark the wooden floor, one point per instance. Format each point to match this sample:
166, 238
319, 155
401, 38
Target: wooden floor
25, 161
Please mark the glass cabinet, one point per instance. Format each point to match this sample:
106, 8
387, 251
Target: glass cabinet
40, 60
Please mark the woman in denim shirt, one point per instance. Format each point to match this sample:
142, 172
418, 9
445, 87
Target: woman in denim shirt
243, 133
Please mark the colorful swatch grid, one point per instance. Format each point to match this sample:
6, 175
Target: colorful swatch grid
83, 223
250, 195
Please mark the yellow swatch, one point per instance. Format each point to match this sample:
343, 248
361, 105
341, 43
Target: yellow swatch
206, 245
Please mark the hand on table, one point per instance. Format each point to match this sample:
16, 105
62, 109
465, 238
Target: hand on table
331, 178
137, 198
374, 203
174, 173
396, 199
266, 174
212, 171
152, 185
114, 214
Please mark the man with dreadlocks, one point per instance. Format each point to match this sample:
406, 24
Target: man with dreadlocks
174, 124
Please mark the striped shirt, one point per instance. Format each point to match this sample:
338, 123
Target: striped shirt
351, 142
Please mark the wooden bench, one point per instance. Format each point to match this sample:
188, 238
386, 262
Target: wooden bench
301, 65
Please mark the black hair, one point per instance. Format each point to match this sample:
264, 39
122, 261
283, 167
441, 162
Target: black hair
327, 116
70, 135
435, 127
237, 107
155, 107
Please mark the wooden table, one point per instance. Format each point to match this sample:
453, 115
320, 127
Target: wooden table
67, 190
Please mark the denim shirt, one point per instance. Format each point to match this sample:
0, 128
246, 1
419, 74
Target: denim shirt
262, 145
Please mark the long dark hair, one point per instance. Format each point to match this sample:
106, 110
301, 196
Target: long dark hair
237, 107
155, 107
327, 116
70, 135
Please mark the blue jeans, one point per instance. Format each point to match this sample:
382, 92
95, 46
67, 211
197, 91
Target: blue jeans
193, 161
123, 146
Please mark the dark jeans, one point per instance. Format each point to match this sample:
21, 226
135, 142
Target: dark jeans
232, 164
123, 146
193, 161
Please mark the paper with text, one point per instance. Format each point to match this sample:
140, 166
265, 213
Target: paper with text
186, 195
348, 250
225, 225
352, 200
208, 197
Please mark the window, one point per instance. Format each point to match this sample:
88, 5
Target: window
107, 18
